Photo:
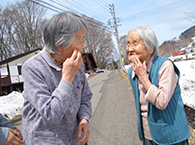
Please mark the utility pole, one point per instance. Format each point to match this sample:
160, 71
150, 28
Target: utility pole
112, 11
0, 85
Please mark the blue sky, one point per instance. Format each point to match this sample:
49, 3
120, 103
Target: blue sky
166, 18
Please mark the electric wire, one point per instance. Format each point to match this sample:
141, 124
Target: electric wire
105, 2
74, 11
91, 22
81, 7
44, 6
61, 5
159, 10
101, 5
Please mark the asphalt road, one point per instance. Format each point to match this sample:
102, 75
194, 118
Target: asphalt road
114, 120
113, 108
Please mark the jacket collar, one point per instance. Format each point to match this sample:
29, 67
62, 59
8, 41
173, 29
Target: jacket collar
49, 60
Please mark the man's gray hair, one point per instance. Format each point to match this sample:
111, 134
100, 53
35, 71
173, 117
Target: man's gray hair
61, 30
148, 37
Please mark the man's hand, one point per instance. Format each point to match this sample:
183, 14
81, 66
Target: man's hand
83, 127
71, 66
14, 137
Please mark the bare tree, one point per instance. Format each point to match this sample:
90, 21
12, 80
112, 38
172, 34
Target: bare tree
5, 27
21, 28
27, 21
99, 42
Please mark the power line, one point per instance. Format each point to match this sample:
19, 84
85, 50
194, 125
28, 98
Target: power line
60, 5
102, 3
105, 2
168, 20
74, 3
103, 6
91, 22
68, 9
44, 6
161, 9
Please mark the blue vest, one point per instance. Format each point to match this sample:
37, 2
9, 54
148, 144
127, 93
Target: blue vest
168, 126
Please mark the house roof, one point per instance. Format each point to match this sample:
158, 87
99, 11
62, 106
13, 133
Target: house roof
17, 56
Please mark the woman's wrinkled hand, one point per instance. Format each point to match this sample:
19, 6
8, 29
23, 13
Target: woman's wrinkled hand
83, 127
139, 68
71, 66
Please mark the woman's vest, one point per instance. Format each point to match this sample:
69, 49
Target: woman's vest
166, 126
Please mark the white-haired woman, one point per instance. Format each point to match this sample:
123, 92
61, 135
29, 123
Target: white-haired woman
155, 82
57, 104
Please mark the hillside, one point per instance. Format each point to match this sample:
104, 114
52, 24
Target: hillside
174, 45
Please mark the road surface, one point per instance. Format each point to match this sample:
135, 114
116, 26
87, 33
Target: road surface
114, 120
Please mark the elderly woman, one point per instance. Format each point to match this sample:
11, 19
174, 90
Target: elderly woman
57, 104
155, 82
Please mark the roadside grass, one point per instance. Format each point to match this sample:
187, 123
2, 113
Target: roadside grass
191, 140
15, 119
91, 75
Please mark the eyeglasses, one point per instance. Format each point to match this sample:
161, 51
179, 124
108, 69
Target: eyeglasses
134, 44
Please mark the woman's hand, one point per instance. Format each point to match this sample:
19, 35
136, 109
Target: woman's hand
14, 137
141, 71
83, 127
71, 66
139, 68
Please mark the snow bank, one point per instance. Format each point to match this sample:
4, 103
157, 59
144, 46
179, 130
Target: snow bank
187, 81
11, 104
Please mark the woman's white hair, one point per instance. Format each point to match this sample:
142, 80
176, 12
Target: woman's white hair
148, 37
61, 30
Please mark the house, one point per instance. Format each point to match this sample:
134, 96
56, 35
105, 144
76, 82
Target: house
10, 72
89, 62
181, 52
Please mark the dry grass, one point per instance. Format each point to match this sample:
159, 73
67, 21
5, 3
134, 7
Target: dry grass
126, 78
15, 119
192, 136
91, 75
192, 133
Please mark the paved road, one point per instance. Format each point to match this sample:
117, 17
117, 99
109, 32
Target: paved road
114, 115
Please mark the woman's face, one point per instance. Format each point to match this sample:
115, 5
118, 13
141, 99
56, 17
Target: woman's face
136, 47
77, 44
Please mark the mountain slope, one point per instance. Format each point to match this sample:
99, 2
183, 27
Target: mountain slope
174, 45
